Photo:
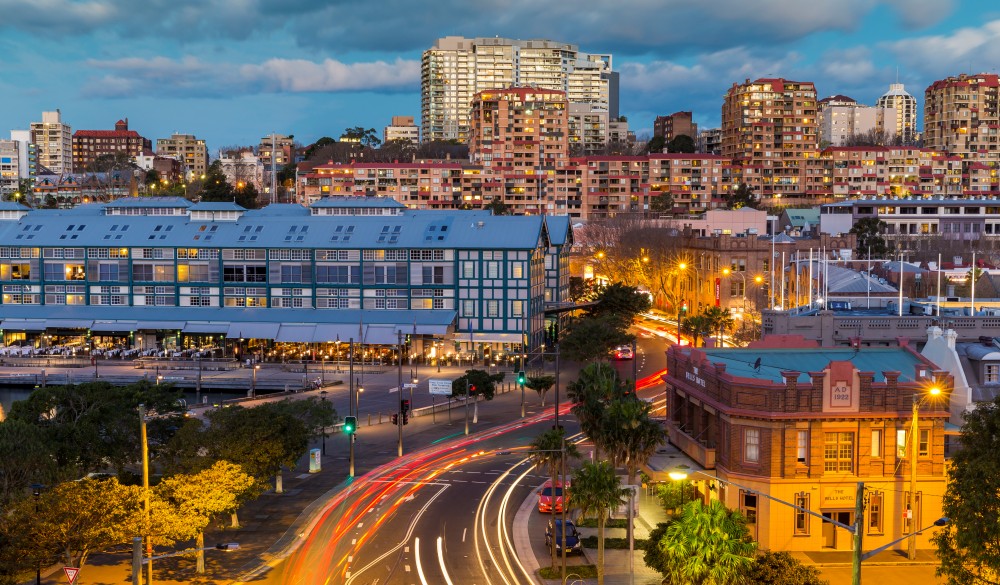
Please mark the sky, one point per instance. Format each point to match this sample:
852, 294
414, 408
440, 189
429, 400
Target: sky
232, 71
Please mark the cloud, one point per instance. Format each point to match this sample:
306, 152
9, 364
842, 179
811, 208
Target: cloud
851, 66
922, 13
977, 48
192, 77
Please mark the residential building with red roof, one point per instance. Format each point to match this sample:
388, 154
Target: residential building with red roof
89, 145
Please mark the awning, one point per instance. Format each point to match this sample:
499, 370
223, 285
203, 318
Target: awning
159, 325
68, 323
24, 324
253, 330
382, 334
489, 337
114, 326
205, 327
296, 333
329, 332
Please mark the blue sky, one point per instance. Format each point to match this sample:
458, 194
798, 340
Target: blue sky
231, 71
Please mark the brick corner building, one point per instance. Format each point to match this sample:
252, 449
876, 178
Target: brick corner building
89, 145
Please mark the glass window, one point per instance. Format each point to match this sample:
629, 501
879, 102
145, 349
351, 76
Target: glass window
801, 518
802, 446
838, 452
751, 445
924, 447
992, 374
901, 450
875, 513
877, 443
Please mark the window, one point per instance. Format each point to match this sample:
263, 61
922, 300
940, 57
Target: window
736, 288
517, 270
738, 264
291, 273
337, 274
468, 308
433, 275
751, 445
801, 517
802, 447
901, 450
517, 308
749, 507
877, 443
924, 446
468, 269
991, 375
108, 272
875, 513
492, 270
838, 452
492, 308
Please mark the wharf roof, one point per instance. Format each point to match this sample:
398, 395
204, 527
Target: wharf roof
148, 202
217, 206
740, 361
362, 201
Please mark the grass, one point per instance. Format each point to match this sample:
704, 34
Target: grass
583, 571
616, 543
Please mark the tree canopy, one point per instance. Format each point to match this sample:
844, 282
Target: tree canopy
681, 143
869, 232
483, 382
707, 544
740, 197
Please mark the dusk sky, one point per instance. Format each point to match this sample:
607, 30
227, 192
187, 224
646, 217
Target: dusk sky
231, 71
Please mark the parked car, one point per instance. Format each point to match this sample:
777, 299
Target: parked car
554, 529
549, 497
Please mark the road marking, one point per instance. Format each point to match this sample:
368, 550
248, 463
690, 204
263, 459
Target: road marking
360, 524
354, 541
406, 568
406, 549
463, 534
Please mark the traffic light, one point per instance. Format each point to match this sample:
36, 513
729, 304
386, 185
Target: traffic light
395, 419
684, 306
472, 389
350, 424
521, 379
406, 418
404, 406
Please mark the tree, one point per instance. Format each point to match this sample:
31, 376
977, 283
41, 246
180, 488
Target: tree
596, 491
541, 384
696, 326
718, 320
706, 545
498, 207
653, 555
582, 290
548, 451
740, 197
365, 137
220, 489
869, 232
621, 302
598, 386
216, 186
25, 458
484, 382
681, 143
781, 568
631, 434
969, 546
593, 338
246, 194
656, 144
661, 202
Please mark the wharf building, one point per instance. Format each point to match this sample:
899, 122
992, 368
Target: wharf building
161, 272
805, 425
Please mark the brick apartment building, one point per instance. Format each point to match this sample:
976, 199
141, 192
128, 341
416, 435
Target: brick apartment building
804, 426
89, 145
961, 116
674, 125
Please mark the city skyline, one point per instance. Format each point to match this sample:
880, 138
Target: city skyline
312, 69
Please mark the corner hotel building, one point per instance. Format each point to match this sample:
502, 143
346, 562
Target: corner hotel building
160, 272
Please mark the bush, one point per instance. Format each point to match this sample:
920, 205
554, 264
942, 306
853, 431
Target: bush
781, 568
615, 543
610, 523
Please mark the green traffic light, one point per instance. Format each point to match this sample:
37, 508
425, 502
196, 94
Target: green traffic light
350, 425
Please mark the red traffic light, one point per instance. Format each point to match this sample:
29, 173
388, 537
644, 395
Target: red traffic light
395, 419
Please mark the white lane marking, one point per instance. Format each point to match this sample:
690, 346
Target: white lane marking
360, 524
406, 568
354, 541
350, 558
463, 534
444, 571
406, 549
420, 568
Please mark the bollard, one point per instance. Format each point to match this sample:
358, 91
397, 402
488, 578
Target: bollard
369, 419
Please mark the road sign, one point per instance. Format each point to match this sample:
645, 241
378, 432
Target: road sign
409, 386
440, 387
71, 573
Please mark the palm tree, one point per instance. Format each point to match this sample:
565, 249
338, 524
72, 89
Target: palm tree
718, 319
707, 545
541, 384
695, 326
547, 452
632, 434
597, 490
597, 386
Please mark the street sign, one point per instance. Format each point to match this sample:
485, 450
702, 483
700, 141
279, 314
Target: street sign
409, 386
71, 573
440, 387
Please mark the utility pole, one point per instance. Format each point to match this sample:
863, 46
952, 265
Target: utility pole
859, 516
400, 396
911, 546
145, 488
351, 389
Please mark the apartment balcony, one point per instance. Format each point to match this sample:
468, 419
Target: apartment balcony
693, 448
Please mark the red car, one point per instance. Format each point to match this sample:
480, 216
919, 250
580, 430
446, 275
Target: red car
549, 497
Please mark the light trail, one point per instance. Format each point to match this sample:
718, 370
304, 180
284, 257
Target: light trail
444, 571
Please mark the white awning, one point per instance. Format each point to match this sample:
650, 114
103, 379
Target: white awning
116, 326
253, 330
489, 337
330, 332
205, 327
24, 324
159, 325
296, 333
68, 323
382, 334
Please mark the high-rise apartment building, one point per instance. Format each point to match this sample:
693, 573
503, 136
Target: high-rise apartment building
27, 151
710, 141
402, 128
54, 141
769, 130
187, 149
456, 68
841, 118
274, 152
961, 116
905, 105
89, 145
10, 166
674, 125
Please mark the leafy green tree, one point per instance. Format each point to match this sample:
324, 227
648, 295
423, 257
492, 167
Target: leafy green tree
706, 545
869, 232
498, 207
246, 195
718, 320
220, 489
541, 385
597, 387
656, 144
969, 546
484, 382
621, 302
582, 290
661, 202
366, 137
592, 338
26, 458
547, 452
681, 143
673, 494
740, 197
781, 568
631, 434
696, 326
216, 186
597, 491
95, 425
653, 555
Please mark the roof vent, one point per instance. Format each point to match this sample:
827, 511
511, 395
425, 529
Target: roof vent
480, 224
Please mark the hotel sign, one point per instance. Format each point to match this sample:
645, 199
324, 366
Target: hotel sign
838, 497
692, 376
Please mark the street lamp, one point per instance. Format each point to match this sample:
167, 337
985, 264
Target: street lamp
253, 385
933, 391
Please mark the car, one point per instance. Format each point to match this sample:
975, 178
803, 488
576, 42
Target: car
554, 529
624, 352
549, 498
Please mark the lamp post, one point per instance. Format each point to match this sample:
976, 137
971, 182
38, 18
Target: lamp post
36, 492
322, 395
911, 548
145, 493
253, 384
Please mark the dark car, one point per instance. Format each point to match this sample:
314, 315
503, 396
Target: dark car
572, 536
